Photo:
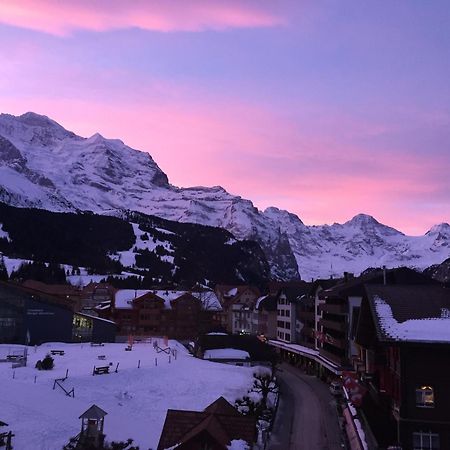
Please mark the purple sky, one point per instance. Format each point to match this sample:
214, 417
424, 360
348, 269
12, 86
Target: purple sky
326, 109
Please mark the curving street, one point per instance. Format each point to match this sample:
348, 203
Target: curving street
306, 418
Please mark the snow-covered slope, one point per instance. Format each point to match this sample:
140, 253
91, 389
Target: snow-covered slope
45, 166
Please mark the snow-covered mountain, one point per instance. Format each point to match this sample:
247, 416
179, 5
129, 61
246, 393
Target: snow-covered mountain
45, 166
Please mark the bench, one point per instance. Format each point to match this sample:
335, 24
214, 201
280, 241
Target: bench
57, 352
100, 370
102, 357
97, 344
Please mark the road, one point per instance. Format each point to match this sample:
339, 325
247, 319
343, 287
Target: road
306, 418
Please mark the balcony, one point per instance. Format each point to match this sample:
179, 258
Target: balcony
333, 308
332, 325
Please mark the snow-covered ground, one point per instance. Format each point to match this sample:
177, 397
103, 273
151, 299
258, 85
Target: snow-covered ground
13, 264
136, 399
128, 257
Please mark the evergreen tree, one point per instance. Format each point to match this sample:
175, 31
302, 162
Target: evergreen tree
3, 271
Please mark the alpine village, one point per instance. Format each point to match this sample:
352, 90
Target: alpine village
194, 249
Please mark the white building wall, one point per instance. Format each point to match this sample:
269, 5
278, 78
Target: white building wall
285, 319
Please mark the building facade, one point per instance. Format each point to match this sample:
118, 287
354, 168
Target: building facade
238, 304
177, 314
404, 348
27, 317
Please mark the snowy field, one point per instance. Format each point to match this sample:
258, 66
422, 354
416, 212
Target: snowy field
136, 399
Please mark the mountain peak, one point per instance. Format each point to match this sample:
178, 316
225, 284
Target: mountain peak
443, 228
96, 137
362, 220
37, 120
32, 127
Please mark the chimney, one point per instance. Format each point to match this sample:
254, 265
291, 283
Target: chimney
348, 276
384, 275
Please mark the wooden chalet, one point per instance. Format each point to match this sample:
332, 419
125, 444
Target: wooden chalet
177, 314
214, 428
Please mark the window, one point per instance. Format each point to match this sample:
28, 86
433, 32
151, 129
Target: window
425, 441
282, 312
287, 337
288, 313
425, 397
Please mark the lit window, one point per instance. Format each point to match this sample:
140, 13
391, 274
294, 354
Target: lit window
425, 397
425, 441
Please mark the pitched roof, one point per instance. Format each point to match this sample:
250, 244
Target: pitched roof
296, 291
124, 298
94, 412
220, 420
410, 313
397, 276
222, 406
52, 289
234, 291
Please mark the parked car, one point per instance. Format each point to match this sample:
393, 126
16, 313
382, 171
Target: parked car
336, 388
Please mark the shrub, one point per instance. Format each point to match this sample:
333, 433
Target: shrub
47, 363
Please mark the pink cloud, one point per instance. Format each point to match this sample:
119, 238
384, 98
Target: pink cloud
64, 17
313, 162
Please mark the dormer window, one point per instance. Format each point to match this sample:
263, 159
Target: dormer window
425, 397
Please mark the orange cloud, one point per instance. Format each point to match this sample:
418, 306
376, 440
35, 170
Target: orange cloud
63, 17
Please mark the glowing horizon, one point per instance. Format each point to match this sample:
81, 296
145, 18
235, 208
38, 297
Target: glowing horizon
324, 111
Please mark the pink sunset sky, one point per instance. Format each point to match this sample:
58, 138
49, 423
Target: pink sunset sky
327, 109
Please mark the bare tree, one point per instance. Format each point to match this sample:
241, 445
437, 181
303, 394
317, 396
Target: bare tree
264, 383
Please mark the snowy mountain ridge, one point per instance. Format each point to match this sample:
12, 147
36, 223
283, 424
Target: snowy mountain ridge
45, 166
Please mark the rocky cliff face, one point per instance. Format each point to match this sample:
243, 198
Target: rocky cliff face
45, 166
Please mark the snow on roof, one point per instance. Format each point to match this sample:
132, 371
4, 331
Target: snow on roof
259, 300
232, 292
226, 353
432, 329
124, 298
